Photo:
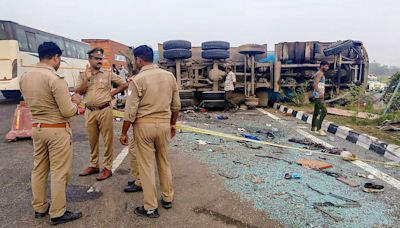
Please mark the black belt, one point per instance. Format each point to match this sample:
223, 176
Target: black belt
98, 108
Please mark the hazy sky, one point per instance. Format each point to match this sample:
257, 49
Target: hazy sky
376, 23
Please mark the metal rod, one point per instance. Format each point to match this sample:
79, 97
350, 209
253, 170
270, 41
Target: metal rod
178, 73
391, 98
252, 75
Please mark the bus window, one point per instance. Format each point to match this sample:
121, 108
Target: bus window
22, 41
59, 42
32, 41
41, 39
3, 34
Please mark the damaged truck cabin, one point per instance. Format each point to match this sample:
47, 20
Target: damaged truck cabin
200, 71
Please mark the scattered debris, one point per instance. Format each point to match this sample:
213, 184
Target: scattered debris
250, 146
279, 194
270, 133
314, 189
309, 142
334, 217
221, 117
247, 136
347, 181
365, 175
241, 163
309, 154
292, 176
218, 149
347, 156
389, 125
257, 179
340, 178
350, 202
373, 188
314, 164
241, 130
272, 157
201, 144
227, 175
348, 113
190, 112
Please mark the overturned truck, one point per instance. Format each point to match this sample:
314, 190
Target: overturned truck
261, 75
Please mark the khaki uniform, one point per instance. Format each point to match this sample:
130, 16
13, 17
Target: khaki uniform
132, 154
97, 95
153, 97
46, 94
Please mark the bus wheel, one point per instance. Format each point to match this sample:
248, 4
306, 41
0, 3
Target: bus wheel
11, 94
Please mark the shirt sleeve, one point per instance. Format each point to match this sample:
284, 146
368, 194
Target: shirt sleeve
233, 77
176, 102
59, 88
116, 79
132, 103
79, 80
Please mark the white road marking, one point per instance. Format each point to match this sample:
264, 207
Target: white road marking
116, 163
268, 114
118, 160
381, 175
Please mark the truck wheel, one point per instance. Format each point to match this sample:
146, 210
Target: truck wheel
340, 46
209, 45
213, 95
215, 54
214, 104
186, 103
177, 44
252, 49
177, 54
185, 94
11, 94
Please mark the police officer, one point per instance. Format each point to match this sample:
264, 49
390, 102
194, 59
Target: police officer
153, 109
136, 184
95, 84
46, 94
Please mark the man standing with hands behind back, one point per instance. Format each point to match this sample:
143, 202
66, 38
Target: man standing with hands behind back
95, 85
153, 109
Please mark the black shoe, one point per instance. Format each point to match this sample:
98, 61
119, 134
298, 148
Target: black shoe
131, 182
67, 217
149, 214
41, 215
166, 205
133, 188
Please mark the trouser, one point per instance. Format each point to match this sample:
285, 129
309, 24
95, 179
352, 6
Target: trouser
319, 110
229, 100
100, 121
151, 144
134, 163
52, 154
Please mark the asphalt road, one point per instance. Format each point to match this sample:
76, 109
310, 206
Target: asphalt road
201, 198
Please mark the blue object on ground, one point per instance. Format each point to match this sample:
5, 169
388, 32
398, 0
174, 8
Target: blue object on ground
250, 136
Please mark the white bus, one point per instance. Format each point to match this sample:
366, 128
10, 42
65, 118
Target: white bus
18, 53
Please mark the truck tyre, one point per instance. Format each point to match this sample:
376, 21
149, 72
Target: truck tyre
177, 54
186, 103
213, 95
214, 104
340, 46
177, 44
252, 49
209, 45
215, 54
185, 94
